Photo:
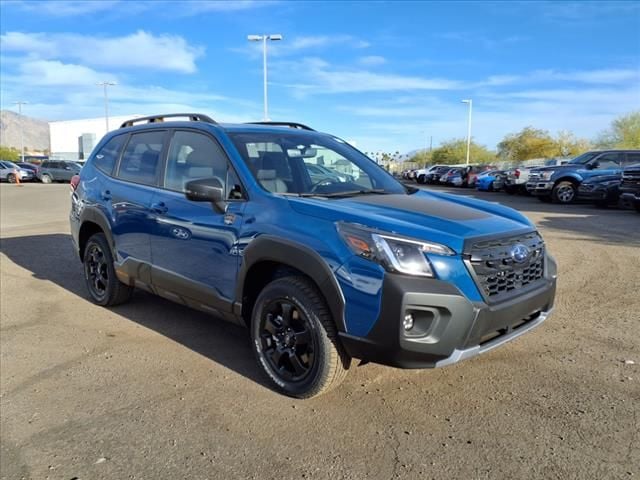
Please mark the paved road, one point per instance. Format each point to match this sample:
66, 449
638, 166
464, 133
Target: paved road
152, 390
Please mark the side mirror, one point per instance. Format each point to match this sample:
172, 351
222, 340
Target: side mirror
594, 164
206, 190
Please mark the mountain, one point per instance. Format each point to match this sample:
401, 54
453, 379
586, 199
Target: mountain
36, 132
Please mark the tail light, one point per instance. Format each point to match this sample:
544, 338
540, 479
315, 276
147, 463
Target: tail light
75, 181
517, 173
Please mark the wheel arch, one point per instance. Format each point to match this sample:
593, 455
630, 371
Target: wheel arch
93, 221
267, 258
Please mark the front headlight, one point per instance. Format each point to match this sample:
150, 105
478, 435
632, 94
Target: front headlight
395, 254
546, 175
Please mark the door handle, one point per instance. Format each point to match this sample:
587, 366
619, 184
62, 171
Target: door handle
105, 195
159, 207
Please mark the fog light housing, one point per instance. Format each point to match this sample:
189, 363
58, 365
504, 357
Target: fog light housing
407, 323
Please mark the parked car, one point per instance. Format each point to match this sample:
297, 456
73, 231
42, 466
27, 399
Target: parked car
29, 166
319, 273
560, 183
58, 171
9, 170
471, 172
630, 186
601, 190
490, 181
421, 174
434, 175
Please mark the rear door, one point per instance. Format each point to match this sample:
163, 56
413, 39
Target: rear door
128, 196
194, 246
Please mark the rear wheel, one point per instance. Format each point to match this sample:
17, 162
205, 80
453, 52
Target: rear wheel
100, 275
46, 178
295, 340
564, 192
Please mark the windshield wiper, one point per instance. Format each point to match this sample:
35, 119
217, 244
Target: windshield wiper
353, 193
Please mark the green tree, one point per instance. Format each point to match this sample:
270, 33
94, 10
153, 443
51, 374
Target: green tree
421, 158
623, 133
568, 145
527, 144
455, 151
9, 153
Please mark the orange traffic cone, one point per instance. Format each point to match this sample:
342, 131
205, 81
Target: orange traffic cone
16, 175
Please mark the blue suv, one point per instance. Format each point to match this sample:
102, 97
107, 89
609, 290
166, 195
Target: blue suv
233, 220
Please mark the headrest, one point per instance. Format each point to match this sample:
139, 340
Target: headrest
199, 158
273, 161
266, 174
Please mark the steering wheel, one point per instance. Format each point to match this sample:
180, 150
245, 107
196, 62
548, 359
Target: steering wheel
322, 183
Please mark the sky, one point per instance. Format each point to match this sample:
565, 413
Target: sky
389, 76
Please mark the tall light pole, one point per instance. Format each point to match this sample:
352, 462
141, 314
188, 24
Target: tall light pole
263, 38
21, 128
106, 101
470, 103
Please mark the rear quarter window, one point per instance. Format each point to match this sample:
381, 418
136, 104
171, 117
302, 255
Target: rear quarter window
105, 159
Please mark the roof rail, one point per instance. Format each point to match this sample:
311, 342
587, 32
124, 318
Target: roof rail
193, 117
299, 126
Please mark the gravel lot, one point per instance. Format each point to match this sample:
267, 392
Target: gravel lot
156, 391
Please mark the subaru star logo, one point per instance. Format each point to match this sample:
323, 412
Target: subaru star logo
520, 253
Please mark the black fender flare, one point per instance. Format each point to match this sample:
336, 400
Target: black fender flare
299, 257
97, 216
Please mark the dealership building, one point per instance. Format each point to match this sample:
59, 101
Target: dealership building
75, 139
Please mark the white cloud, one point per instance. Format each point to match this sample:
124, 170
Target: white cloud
319, 77
372, 60
52, 73
137, 50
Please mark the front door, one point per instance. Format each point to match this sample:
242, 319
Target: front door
193, 244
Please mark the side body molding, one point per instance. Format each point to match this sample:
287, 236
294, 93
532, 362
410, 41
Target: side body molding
295, 255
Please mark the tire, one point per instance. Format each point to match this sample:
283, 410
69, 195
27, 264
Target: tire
545, 198
11, 178
295, 340
100, 274
421, 180
46, 178
564, 192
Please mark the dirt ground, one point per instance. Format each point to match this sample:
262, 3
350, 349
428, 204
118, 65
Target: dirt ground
152, 390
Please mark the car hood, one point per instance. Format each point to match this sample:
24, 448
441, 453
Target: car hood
552, 168
436, 217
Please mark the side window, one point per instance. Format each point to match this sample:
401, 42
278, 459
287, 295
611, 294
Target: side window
609, 160
193, 155
632, 159
106, 158
141, 158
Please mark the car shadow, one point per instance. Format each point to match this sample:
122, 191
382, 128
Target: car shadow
216, 339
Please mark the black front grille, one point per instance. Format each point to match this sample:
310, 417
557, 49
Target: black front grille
496, 271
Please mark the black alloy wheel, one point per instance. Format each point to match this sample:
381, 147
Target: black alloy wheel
96, 271
286, 340
100, 274
295, 339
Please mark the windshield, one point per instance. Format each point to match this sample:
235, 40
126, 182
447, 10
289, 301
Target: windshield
311, 165
584, 158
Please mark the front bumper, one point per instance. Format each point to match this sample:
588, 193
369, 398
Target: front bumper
539, 188
447, 327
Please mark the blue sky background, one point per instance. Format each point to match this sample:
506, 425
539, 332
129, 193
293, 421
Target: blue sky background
387, 75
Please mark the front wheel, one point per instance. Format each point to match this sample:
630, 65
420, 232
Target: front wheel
295, 340
46, 178
564, 192
11, 178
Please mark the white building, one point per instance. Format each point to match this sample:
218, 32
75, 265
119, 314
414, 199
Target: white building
74, 139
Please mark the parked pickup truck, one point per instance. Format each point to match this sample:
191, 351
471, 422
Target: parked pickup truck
516, 179
630, 186
560, 183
